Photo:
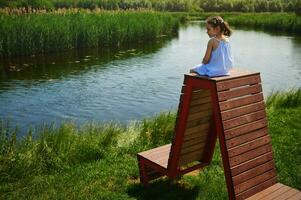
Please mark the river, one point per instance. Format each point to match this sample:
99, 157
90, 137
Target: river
134, 82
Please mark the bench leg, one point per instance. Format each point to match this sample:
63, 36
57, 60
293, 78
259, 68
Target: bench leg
143, 173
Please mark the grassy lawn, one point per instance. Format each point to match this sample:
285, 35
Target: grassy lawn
98, 161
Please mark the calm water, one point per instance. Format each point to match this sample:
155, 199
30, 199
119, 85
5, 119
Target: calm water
134, 82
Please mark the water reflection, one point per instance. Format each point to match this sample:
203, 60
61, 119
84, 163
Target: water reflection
133, 82
57, 66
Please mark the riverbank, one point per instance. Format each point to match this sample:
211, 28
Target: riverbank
98, 161
34, 34
161, 5
55, 32
287, 22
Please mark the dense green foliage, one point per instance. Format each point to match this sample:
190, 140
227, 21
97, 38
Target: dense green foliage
54, 32
251, 5
99, 161
164, 5
288, 22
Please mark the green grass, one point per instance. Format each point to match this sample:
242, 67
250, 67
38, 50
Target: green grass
34, 34
280, 99
98, 161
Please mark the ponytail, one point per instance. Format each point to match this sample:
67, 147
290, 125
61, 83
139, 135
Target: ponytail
216, 21
227, 30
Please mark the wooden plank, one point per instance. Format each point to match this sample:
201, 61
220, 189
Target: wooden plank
265, 192
277, 193
224, 85
197, 147
229, 114
244, 119
200, 101
226, 105
163, 160
198, 122
197, 94
251, 163
196, 129
256, 189
199, 108
158, 155
295, 197
253, 172
254, 181
155, 150
196, 135
188, 158
201, 139
291, 192
246, 138
241, 130
239, 92
151, 173
249, 146
198, 115
236, 160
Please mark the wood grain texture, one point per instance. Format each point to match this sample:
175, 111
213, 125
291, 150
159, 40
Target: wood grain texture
230, 104
229, 114
250, 155
239, 92
246, 128
249, 146
251, 163
246, 137
224, 85
265, 192
258, 188
254, 181
238, 121
240, 178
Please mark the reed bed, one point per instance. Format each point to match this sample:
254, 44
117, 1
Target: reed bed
34, 34
98, 161
289, 22
279, 22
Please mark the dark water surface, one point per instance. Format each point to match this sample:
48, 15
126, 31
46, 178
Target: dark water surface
134, 82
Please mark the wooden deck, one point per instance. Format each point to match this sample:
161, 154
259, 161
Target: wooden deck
277, 192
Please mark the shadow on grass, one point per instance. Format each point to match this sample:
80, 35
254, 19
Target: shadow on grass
163, 189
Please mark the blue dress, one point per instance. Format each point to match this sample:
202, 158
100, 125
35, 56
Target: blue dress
220, 63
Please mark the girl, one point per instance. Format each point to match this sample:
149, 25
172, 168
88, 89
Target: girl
218, 57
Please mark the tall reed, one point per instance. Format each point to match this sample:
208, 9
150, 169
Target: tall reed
280, 99
289, 22
55, 32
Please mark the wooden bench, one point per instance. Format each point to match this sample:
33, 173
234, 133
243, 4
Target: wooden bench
231, 108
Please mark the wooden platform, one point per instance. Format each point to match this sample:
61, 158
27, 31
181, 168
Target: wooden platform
277, 192
232, 109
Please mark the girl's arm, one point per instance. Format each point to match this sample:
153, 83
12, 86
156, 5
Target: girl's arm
207, 56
